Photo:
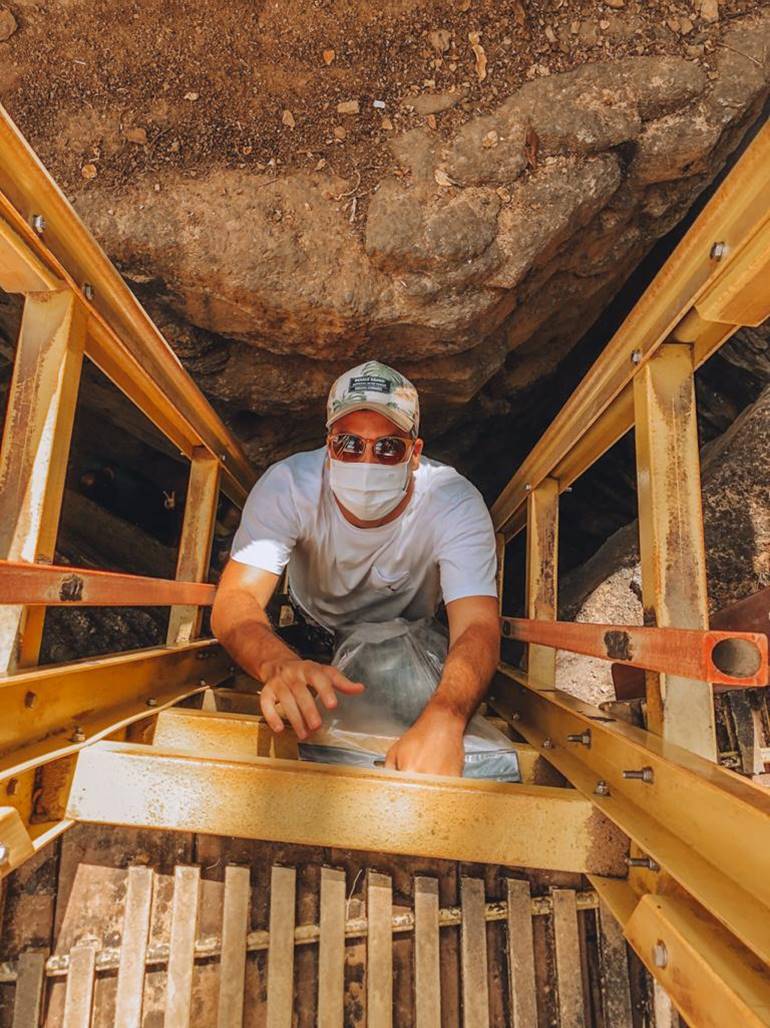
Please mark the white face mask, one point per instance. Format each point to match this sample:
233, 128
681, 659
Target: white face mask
370, 491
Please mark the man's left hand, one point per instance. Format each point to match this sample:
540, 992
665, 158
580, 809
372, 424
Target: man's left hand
433, 745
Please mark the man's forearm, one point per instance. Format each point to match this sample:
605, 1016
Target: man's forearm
468, 670
249, 638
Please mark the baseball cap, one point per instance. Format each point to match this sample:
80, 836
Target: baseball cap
375, 386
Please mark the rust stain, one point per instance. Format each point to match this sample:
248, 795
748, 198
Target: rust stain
618, 645
71, 589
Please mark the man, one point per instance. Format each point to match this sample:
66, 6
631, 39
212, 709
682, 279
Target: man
371, 530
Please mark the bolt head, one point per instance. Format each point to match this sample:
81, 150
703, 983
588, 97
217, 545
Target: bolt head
30, 699
4, 853
12, 786
660, 954
636, 356
151, 701
547, 744
78, 735
38, 223
506, 628
602, 789
718, 251
528, 488
88, 291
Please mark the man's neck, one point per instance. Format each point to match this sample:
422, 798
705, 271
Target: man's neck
396, 512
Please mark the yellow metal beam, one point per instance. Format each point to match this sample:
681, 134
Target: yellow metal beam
691, 816
673, 552
600, 410
320, 805
542, 572
20, 270
35, 446
122, 340
52, 711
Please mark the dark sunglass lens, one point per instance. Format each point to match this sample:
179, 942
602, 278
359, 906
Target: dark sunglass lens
348, 447
390, 450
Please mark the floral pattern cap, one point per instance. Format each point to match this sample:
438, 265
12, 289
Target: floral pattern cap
375, 386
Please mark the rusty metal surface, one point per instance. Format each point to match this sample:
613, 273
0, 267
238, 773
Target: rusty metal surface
678, 651
324, 805
56, 586
691, 816
542, 572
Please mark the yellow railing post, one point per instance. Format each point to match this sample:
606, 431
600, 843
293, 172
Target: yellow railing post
673, 555
542, 574
195, 542
33, 455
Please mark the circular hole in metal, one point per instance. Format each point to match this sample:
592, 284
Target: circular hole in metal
738, 658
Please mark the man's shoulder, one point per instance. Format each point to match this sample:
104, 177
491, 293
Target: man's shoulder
300, 474
442, 483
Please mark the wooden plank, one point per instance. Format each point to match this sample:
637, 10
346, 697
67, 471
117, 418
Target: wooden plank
542, 571
235, 925
14, 837
427, 969
30, 983
195, 542
331, 949
379, 951
33, 455
280, 959
616, 985
184, 925
673, 554
500, 575
473, 937
569, 968
80, 987
521, 953
133, 948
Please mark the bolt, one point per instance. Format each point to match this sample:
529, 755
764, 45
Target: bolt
30, 699
644, 774
38, 223
647, 862
203, 682
636, 356
78, 735
528, 488
659, 954
232, 669
151, 701
548, 744
582, 737
3, 853
718, 250
602, 789
223, 458
12, 786
506, 628
515, 716
88, 291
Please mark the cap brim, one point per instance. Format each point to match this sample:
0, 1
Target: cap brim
400, 420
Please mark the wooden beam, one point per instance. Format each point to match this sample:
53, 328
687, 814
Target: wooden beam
59, 586
33, 455
673, 553
542, 573
195, 543
324, 805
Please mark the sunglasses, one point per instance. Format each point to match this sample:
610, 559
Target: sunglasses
388, 449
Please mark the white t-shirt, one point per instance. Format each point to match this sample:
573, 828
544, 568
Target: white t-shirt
441, 546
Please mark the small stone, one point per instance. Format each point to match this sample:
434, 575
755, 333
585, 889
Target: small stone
348, 107
287, 119
550, 35
673, 24
378, 104
8, 24
574, 27
387, 124
604, 25
685, 26
504, 194
695, 49
321, 165
615, 4
88, 171
464, 5
431, 120
339, 132
490, 140
174, 148
136, 135
191, 96
709, 10
328, 56
439, 39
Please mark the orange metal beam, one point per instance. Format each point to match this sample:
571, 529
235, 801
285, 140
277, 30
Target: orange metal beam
36, 585
726, 658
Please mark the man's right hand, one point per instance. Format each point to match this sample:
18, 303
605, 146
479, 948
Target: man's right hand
289, 682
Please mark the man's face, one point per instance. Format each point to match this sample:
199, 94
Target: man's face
370, 425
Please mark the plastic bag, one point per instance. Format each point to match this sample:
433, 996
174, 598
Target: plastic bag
400, 663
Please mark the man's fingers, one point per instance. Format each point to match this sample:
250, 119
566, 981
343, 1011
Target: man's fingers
390, 758
322, 683
292, 711
269, 713
341, 682
307, 707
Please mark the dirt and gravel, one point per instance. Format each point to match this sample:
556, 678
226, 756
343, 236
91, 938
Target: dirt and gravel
114, 90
